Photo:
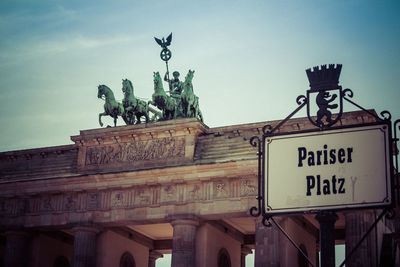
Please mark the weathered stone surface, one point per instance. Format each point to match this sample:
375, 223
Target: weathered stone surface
16, 250
138, 147
202, 146
191, 169
357, 224
84, 246
184, 242
268, 249
138, 175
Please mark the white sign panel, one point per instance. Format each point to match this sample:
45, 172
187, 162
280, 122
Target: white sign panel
331, 169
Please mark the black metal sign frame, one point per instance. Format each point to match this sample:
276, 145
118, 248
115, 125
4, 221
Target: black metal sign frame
324, 82
384, 203
346, 95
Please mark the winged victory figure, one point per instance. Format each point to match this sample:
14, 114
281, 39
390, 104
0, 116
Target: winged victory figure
164, 43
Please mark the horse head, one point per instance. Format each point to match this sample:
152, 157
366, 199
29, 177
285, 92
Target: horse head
157, 82
189, 76
101, 91
187, 84
156, 77
104, 90
127, 87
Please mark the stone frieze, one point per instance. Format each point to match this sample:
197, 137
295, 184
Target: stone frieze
130, 198
147, 150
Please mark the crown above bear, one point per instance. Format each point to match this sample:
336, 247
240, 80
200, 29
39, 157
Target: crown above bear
324, 77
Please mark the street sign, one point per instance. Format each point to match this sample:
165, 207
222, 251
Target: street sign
328, 170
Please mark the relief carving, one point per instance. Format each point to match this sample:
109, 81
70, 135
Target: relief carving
153, 149
194, 194
118, 199
2, 206
136, 196
169, 193
247, 188
69, 202
33, 205
142, 197
92, 201
220, 189
46, 204
8, 207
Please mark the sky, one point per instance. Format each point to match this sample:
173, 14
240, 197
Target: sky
249, 58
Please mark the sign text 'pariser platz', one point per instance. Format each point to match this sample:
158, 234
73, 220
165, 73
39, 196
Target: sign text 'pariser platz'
332, 169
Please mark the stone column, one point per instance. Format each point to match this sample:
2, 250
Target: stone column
243, 253
84, 246
16, 252
357, 223
153, 256
268, 245
183, 242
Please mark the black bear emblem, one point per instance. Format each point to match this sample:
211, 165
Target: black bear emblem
323, 100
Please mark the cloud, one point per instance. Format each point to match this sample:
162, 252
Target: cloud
47, 47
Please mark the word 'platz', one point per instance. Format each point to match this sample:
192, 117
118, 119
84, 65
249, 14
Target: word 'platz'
325, 156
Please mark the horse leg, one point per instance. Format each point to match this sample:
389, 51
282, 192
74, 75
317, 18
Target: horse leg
189, 110
200, 116
174, 113
146, 116
138, 118
183, 107
115, 121
100, 115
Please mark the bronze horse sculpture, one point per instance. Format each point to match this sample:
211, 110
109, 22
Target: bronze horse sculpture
161, 100
189, 101
134, 107
184, 104
111, 106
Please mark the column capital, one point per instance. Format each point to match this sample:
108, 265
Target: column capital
245, 250
184, 219
86, 228
185, 222
154, 255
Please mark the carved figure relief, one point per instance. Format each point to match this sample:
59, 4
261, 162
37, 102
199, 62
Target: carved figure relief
156, 149
142, 197
220, 189
169, 193
46, 204
118, 199
247, 188
92, 201
194, 194
69, 202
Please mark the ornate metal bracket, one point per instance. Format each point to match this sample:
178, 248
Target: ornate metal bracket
396, 128
258, 142
329, 97
324, 81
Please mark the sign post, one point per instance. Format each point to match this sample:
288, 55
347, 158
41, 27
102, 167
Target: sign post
328, 168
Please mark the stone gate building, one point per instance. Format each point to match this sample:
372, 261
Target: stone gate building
124, 196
